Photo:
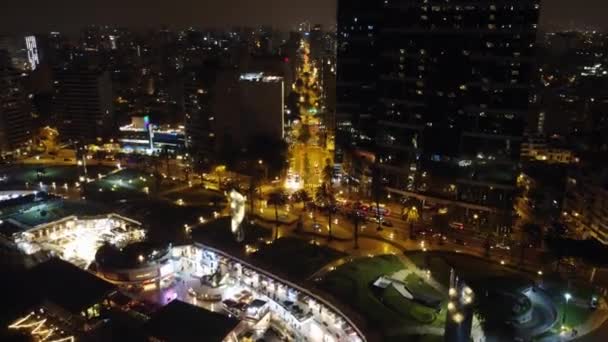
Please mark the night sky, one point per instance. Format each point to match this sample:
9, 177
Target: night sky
70, 15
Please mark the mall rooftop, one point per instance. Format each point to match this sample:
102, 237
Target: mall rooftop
182, 322
62, 284
26, 212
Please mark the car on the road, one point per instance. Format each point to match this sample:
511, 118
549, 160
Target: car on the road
460, 242
440, 236
502, 245
372, 219
425, 231
317, 227
457, 225
387, 223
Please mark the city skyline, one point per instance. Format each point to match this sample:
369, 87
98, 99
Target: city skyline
321, 171
70, 15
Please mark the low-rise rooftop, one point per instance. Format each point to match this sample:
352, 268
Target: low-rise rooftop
182, 322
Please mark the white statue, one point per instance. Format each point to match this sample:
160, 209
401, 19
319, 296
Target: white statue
237, 212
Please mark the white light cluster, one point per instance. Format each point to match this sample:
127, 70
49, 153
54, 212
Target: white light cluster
79, 239
32, 51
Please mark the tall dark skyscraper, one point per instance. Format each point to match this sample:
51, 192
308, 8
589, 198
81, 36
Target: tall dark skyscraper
446, 87
200, 137
356, 78
15, 110
83, 103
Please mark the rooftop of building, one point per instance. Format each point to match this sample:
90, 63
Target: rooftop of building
23, 213
134, 255
183, 322
68, 286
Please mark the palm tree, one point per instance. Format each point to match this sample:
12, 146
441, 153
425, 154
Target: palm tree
356, 220
376, 191
412, 217
277, 198
301, 196
326, 198
328, 172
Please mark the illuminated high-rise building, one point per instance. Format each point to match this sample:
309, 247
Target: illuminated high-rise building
442, 91
31, 47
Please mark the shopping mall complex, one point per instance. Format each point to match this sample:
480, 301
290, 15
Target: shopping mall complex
241, 300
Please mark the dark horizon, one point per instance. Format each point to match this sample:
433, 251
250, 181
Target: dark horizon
70, 15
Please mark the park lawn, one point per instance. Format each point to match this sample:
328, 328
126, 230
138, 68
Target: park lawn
197, 196
407, 308
476, 271
352, 283
575, 315
416, 284
20, 174
126, 184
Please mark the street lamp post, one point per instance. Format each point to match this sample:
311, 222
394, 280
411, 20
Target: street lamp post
567, 296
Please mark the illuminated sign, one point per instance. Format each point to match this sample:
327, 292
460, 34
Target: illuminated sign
32, 51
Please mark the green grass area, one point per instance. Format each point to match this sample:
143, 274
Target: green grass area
575, 315
197, 196
476, 271
385, 309
33, 174
416, 284
581, 292
484, 276
124, 184
297, 258
406, 308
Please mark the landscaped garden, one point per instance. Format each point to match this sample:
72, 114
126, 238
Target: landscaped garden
196, 196
385, 309
34, 174
500, 292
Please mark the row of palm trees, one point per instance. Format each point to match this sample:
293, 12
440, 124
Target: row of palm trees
324, 198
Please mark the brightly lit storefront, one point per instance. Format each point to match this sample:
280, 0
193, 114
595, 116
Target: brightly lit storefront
261, 298
76, 239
